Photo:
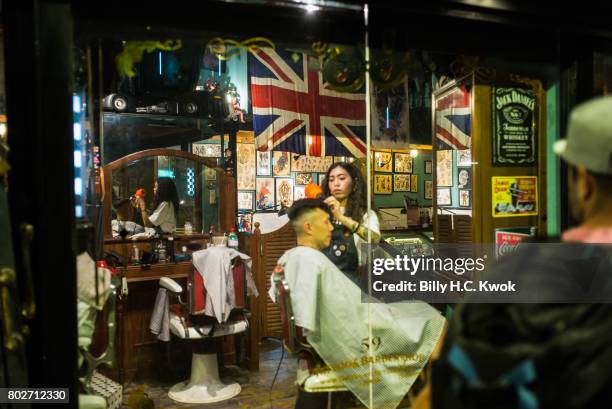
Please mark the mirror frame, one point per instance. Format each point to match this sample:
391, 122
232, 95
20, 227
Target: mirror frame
227, 185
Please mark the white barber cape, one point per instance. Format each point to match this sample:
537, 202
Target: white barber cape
330, 306
215, 266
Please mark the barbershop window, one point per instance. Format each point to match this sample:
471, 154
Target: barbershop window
194, 134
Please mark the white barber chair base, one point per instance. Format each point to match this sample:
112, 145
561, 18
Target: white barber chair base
204, 385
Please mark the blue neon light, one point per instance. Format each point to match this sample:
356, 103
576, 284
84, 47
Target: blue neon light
387, 111
165, 173
76, 104
77, 131
78, 159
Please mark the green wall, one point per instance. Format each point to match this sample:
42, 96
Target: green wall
397, 199
553, 205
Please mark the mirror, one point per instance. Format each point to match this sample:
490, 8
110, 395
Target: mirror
197, 180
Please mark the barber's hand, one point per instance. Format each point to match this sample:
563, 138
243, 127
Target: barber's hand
141, 203
334, 206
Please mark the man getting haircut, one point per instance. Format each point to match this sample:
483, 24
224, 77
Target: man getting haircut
337, 319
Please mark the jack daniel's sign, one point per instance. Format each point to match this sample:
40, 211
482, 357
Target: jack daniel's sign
514, 142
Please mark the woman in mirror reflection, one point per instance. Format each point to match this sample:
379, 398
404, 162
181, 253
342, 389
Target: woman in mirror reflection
345, 193
165, 205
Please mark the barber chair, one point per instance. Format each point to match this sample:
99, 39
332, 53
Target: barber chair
308, 378
187, 321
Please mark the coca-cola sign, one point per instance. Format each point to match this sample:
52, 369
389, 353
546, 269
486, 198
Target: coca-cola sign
508, 239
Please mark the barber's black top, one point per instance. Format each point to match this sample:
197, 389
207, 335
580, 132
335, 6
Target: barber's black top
343, 252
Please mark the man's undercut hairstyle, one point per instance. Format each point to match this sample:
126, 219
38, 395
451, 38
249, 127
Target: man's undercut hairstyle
304, 206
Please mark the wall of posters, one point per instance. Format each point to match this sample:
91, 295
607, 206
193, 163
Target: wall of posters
281, 164
303, 163
383, 161
444, 196
514, 196
206, 150
401, 183
263, 164
429, 189
514, 142
382, 184
245, 166
245, 200
465, 198
508, 239
284, 192
402, 163
264, 194
444, 167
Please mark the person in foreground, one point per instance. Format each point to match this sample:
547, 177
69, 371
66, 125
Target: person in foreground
552, 354
337, 321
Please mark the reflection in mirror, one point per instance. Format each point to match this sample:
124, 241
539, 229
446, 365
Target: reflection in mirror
134, 185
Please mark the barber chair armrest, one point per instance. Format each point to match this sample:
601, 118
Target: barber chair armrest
170, 285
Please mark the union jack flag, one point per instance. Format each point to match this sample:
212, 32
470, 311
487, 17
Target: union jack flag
453, 120
294, 111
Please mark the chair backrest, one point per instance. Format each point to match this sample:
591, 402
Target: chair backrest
293, 337
197, 290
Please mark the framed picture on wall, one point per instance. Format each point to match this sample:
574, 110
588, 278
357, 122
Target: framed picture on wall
464, 157
444, 196
465, 198
284, 192
428, 167
401, 183
402, 163
264, 194
464, 178
429, 189
382, 184
245, 200
299, 192
303, 178
414, 183
444, 168
383, 161
245, 166
263, 164
281, 164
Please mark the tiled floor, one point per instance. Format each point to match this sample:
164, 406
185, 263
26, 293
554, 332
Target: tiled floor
255, 393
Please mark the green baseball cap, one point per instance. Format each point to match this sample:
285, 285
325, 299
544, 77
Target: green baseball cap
589, 136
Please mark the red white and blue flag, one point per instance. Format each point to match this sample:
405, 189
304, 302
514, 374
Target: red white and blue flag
453, 120
294, 111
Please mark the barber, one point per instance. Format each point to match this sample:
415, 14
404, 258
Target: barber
354, 225
165, 204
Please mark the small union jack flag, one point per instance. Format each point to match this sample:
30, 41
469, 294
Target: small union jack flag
453, 120
294, 111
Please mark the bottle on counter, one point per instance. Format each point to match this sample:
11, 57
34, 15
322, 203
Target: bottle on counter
232, 239
135, 254
188, 228
171, 249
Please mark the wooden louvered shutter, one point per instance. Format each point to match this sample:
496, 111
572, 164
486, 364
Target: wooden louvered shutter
463, 229
273, 245
444, 229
